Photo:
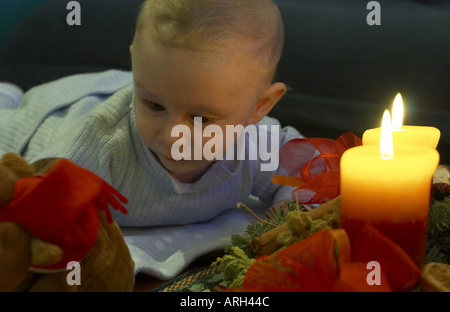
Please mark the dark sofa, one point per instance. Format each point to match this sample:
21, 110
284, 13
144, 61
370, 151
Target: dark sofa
342, 73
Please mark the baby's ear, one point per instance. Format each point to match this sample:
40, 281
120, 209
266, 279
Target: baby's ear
267, 101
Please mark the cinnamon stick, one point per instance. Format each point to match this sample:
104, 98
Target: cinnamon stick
267, 243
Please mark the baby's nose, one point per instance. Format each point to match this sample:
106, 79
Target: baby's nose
175, 135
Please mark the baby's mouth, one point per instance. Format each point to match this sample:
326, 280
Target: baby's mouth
170, 159
161, 157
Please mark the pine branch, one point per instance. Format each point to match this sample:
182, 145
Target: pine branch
438, 239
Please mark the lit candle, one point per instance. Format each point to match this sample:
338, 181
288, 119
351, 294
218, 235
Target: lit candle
389, 186
411, 135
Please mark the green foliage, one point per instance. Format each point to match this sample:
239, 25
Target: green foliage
438, 240
300, 227
238, 258
234, 265
256, 228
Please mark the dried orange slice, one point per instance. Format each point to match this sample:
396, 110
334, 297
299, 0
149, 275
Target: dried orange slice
436, 277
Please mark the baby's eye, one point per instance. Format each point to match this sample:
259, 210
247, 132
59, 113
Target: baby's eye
203, 120
155, 106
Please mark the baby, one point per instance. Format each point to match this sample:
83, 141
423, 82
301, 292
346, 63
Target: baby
203, 59
195, 63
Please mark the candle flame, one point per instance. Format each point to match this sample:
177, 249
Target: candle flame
397, 113
386, 142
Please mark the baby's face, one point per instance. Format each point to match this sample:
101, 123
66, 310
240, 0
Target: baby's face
173, 86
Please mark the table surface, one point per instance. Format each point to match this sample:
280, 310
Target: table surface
145, 282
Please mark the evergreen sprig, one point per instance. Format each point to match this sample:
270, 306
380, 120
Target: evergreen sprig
273, 216
238, 259
438, 236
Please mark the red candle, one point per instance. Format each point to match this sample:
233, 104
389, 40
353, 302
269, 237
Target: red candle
390, 188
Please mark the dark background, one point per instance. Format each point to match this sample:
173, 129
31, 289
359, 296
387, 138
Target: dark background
342, 73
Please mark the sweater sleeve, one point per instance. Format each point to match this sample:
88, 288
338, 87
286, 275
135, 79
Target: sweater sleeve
47, 111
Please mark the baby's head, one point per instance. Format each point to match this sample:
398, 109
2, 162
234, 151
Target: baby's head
214, 59
217, 26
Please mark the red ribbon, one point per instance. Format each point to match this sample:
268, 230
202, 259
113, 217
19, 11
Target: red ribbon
313, 166
62, 207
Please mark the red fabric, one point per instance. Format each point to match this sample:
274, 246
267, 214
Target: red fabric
314, 167
62, 208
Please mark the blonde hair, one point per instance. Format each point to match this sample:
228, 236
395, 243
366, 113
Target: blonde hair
217, 25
